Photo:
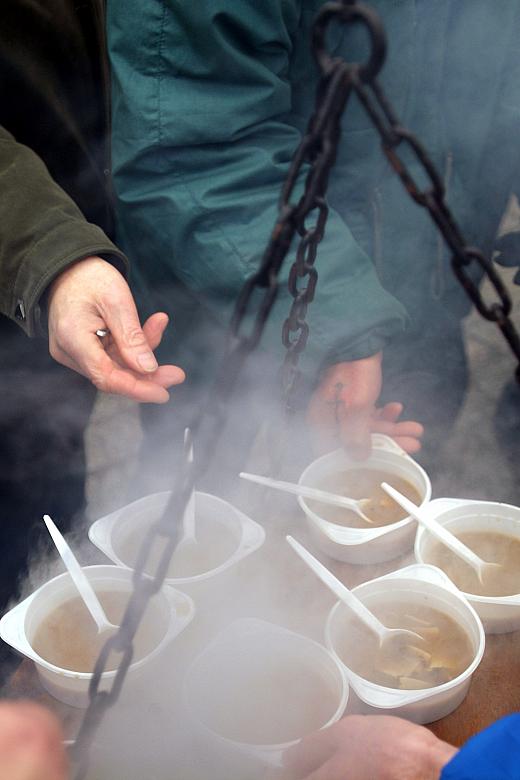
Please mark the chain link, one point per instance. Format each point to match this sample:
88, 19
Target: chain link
317, 153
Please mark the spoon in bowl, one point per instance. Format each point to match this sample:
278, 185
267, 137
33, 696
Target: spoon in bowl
188, 538
314, 493
79, 578
394, 639
441, 533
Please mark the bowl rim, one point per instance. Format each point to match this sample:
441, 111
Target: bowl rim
513, 599
363, 535
411, 696
280, 630
170, 595
252, 536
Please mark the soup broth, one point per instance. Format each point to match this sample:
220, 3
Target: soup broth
270, 702
68, 636
445, 653
491, 547
214, 544
365, 483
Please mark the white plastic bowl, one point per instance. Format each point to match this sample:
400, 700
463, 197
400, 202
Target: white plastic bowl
417, 584
370, 545
108, 532
251, 643
499, 614
169, 608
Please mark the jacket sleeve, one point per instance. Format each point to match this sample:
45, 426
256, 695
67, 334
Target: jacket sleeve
493, 754
42, 233
202, 144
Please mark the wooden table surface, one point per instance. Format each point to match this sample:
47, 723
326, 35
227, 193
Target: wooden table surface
494, 691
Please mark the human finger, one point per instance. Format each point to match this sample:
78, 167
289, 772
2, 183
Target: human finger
393, 429
30, 743
87, 359
121, 318
390, 411
86, 350
109, 377
165, 376
408, 444
154, 328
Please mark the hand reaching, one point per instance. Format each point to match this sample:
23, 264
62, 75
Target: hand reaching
365, 747
31, 746
343, 411
92, 295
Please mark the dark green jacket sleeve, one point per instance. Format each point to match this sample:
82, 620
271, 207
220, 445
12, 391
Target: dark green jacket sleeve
42, 232
202, 144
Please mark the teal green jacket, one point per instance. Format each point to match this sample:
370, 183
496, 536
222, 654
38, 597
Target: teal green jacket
210, 99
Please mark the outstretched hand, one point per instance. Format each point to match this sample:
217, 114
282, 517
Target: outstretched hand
92, 295
343, 412
364, 747
31, 746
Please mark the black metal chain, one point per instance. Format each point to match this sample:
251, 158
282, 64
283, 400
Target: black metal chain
317, 153
309, 216
207, 425
362, 81
318, 149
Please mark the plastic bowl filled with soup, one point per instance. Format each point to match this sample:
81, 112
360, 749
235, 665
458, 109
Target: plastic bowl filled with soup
341, 533
258, 688
53, 628
223, 536
492, 531
421, 681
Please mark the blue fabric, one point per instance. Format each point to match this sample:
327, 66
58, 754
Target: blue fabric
494, 754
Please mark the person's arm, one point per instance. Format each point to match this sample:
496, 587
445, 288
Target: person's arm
31, 743
343, 411
43, 232
54, 263
201, 148
366, 747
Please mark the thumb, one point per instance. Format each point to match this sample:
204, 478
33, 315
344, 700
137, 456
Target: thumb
129, 337
154, 328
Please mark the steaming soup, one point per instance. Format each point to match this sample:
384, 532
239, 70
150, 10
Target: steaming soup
491, 547
365, 483
446, 652
270, 702
215, 543
68, 636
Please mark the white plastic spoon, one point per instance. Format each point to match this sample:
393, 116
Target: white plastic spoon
79, 578
441, 533
314, 493
188, 538
383, 633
